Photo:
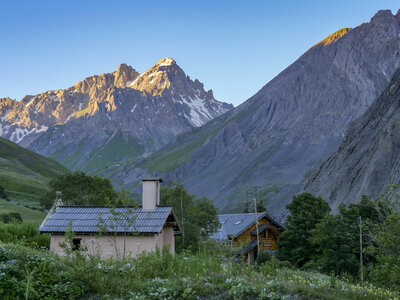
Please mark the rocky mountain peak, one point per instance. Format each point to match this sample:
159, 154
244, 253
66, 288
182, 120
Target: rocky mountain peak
334, 37
162, 76
166, 62
382, 15
124, 76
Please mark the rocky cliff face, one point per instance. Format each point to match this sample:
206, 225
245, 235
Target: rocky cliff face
110, 117
369, 157
294, 122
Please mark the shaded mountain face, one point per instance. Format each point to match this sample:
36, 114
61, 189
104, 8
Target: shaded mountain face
368, 158
275, 138
110, 117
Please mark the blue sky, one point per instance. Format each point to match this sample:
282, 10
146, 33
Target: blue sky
233, 47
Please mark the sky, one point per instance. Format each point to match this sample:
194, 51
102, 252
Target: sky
233, 47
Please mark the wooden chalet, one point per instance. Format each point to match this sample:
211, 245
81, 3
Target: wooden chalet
240, 230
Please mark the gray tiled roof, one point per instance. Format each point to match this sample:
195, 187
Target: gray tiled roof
236, 224
88, 219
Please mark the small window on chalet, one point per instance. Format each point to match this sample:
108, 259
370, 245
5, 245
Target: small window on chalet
238, 222
76, 244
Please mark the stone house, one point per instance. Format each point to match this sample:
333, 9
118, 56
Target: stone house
116, 232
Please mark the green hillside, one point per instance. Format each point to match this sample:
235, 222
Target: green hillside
24, 175
115, 150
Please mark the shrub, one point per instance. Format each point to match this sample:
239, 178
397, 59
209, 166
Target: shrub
3, 193
12, 217
263, 257
25, 233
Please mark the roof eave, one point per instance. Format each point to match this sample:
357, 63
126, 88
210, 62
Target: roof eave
97, 233
180, 231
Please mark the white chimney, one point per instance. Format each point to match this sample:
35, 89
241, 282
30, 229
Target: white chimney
151, 193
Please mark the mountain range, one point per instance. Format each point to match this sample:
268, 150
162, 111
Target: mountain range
110, 117
292, 135
279, 136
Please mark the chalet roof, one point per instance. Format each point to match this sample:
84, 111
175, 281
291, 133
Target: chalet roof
236, 224
250, 246
261, 228
94, 219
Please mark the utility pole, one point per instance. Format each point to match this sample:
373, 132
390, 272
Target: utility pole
361, 254
258, 240
183, 224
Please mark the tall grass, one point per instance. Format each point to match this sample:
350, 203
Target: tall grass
210, 274
24, 234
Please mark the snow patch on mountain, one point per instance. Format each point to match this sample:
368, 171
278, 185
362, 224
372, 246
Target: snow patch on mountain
20, 133
198, 112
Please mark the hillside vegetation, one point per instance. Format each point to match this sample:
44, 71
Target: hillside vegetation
24, 175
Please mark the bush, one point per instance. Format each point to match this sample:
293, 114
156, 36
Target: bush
3, 193
34, 274
12, 217
263, 257
25, 233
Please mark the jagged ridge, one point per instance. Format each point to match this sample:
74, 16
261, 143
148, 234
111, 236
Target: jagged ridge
75, 124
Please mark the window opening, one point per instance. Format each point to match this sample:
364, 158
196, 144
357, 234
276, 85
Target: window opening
76, 244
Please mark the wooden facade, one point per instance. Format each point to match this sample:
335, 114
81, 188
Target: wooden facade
268, 237
239, 230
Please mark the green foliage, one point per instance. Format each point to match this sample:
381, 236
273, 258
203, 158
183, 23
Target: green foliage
386, 240
387, 269
3, 193
333, 241
263, 257
337, 238
329, 243
12, 217
198, 217
80, 189
33, 274
25, 233
336, 245
305, 212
